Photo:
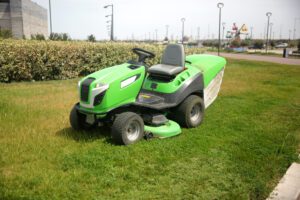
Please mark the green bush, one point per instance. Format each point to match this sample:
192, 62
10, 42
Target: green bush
4, 33
27, 60
210, 43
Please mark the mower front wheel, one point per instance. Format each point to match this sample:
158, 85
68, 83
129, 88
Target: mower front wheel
77, 120
127, 128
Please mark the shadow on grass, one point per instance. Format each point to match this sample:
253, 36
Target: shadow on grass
89, 135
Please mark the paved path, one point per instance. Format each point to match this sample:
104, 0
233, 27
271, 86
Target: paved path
273, 59
288, 187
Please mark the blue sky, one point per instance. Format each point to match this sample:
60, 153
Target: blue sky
138, 18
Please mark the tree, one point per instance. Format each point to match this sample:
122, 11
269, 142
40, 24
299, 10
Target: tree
292, 43
272, 43
65, 37
38, 37
245, 43
236, 43
91, 38
185, 39
258, 44
59, 37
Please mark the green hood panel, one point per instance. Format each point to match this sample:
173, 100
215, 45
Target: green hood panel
123, 86
209, 65
110, 74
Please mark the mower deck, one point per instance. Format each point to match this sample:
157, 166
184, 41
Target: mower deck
169, 129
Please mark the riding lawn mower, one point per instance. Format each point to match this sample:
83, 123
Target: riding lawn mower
137, 100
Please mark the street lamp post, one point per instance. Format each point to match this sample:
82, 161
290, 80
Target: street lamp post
295, 22
251, 32
280, 36
167, 32
112, 21
290, 31
220, 6
182, 20
271, 26
223, 25
50, 16
198, 33
268, 14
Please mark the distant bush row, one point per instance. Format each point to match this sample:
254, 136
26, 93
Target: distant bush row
27, 60
53, 36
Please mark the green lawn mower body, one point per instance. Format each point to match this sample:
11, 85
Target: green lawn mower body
137, 100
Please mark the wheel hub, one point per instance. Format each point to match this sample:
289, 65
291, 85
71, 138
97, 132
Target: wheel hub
133, 131
195, 113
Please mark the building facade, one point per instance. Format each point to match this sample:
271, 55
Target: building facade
23, 17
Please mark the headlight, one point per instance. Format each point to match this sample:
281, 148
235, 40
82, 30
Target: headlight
102, 86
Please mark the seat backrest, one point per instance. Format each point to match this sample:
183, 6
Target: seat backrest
174, 55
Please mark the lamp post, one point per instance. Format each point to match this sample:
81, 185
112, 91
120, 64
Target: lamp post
280, 36
223, 25
182, 20
112, 21
198, 33
268, 14
290, 31
167, 32
271, 26
295, 22
50, 16
251, 31
220, 6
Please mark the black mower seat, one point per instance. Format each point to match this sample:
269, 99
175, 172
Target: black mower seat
168, 70
172, 61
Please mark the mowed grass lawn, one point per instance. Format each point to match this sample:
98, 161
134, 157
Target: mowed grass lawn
249, 138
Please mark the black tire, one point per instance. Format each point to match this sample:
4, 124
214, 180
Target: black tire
190, 112
77, 120
127, 128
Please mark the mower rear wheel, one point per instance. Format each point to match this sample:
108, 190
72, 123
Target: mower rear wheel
190, 112
127, 128
77, 120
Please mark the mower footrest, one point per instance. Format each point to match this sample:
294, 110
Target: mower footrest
152, 101
145, 98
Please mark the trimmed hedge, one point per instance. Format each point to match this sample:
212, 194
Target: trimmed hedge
24, 60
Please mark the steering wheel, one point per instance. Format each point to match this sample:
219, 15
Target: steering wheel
143, 54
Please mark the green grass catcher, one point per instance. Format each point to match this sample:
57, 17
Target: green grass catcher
140, 101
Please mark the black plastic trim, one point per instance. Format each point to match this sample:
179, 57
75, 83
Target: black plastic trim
193, 85
84, 89
98, 98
